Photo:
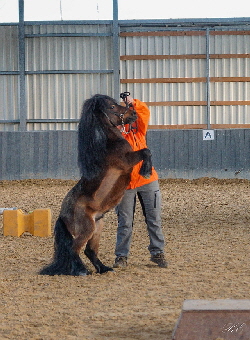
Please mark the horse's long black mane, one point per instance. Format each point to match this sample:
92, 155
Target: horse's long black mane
92, 136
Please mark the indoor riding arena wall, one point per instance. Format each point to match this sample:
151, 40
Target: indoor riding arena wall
176, 154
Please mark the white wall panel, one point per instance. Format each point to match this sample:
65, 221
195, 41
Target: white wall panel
160, 45
166, 68
172, 115
60, 96
229, 44
9, 101
9, 48
188, 68
230, 91
9, 105
233, 67
68, 53
234, 114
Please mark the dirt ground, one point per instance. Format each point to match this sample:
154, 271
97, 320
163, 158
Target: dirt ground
206, 226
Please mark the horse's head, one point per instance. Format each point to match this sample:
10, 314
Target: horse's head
116, 114
121, 115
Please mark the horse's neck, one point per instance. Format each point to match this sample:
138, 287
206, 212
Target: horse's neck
114, 133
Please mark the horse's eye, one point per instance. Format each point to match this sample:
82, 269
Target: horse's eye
112, 107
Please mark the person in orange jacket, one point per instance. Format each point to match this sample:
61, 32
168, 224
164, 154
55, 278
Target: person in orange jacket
148, 192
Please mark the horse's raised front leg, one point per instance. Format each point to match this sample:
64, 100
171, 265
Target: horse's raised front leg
146, 168
92, 247
141, 155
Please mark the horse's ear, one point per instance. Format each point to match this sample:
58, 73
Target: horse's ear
101, 102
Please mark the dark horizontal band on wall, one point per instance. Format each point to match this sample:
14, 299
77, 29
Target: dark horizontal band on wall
199, 103
56, 120
185, 80
57, 72
181, 33
184, 56
44, 120
10, 121
68, 72
11, 73
198, 126
70, 35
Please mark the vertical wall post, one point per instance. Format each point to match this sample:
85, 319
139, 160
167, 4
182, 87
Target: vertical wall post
208, 78
22, 87
116, 52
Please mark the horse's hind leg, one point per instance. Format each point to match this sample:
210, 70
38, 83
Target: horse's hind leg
66, 261
92, 248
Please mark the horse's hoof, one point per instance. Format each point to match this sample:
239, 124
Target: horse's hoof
106, 269
84, 273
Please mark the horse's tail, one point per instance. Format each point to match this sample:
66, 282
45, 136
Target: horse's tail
65, 261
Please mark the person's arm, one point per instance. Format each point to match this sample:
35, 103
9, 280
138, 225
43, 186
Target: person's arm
143, 113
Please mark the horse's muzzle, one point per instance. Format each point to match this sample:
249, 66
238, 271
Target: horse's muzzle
131, 119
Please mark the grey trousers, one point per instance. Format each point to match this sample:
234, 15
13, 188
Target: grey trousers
150, 198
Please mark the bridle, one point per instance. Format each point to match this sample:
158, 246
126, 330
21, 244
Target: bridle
134, 129
121, 115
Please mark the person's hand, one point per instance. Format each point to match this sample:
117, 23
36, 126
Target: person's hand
130, 100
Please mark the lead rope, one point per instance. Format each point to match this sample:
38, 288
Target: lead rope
123, 129
124, 96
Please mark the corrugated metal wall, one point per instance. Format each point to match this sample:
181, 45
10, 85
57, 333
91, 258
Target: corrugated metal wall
184, 153
38, 155
9, 81
237, 91
169, 69
193, 77
190, 76
176, 154
65, 65
166, 68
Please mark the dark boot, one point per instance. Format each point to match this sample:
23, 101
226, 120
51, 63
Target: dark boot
120, 262
160, 260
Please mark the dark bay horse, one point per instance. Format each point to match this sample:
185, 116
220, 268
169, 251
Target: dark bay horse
106, 160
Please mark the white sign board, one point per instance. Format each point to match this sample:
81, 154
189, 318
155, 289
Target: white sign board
208, 134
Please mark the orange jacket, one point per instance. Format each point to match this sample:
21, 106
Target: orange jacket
138, 141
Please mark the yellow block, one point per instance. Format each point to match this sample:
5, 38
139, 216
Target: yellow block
37, 223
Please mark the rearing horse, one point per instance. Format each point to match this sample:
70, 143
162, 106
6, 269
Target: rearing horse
106, 160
